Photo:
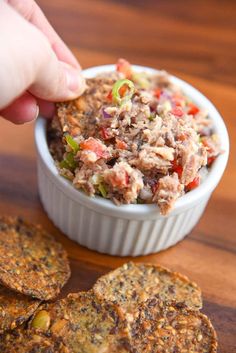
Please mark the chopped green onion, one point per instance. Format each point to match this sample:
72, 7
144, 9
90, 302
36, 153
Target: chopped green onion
151, 117
72, 143
70, 159
116, 91
68, 162
64, 164
102, 189
141, 79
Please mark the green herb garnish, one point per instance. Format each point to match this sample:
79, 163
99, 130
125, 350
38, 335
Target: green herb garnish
151, 117
102, 189
72, 143
69, 162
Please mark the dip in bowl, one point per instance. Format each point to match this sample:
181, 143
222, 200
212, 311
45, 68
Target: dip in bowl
136, 160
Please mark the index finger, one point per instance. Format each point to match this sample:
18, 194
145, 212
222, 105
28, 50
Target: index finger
32, 13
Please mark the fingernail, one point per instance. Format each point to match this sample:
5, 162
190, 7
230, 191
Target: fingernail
75, 81
36, 112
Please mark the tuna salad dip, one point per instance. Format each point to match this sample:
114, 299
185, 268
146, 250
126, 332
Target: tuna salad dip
133, 138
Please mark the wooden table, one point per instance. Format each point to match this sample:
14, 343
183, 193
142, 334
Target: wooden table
196, 41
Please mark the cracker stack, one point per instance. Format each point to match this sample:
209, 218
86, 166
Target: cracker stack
137, 308
33, 267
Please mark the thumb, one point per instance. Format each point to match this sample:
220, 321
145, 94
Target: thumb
56, 80
27, 61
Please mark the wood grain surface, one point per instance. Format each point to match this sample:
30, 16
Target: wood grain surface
196, 41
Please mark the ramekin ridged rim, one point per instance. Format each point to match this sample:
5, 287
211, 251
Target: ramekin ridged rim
134, 211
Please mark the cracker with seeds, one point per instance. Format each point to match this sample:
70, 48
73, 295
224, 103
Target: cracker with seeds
162, 328
15, 308
132, 284
85, 324
32, 261
30, 341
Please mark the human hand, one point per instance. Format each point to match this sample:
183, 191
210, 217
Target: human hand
36, 67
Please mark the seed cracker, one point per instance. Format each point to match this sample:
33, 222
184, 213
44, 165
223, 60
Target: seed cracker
132, 284
85, 324
32, 261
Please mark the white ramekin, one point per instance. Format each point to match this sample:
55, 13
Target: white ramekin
129, 229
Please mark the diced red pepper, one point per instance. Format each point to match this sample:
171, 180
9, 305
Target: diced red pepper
124, 67
193, 109
95, 146
193, 184
157, 92
177, 168
123, 90
126, 178
105, 134
109, 96
177, 112
210, 160
121, 144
